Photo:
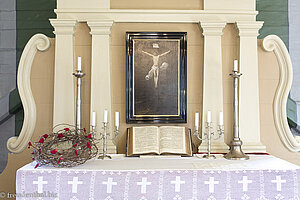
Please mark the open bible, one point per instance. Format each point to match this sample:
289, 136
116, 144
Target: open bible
158, 140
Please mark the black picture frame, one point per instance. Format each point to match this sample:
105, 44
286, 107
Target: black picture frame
156, 77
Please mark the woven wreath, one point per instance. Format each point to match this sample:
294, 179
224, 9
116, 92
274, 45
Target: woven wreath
64, 148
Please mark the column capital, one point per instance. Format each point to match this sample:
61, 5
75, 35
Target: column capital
63, 27
249, 28
100, 27
212, 28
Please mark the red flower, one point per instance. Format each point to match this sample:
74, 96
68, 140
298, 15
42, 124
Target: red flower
45, 136
33, 153
66, 129
89, 136
41, 140
59, 160
74, 145
60, 135
76, 152
84, 129
54, 151
88, 145
32, 158
29, 145
39, 151
36, 165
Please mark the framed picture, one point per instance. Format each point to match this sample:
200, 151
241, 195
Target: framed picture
156, 77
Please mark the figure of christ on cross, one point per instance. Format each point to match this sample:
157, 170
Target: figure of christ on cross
154, 71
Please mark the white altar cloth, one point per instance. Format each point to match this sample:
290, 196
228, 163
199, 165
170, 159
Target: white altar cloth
154, 177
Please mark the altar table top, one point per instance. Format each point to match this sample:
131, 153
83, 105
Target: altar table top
175, 178
119, 162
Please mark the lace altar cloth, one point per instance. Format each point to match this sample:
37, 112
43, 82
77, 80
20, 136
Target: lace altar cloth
174, 178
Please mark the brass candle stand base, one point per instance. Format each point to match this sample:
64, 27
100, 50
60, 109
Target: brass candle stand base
235, 152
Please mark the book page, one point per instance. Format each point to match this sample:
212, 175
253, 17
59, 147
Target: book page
172, 140
145, 140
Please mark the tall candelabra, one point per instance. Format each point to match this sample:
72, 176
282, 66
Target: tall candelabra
103, 136
235, 152
79, 75
208, 136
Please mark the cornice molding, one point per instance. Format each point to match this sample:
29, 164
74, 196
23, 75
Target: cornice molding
212, 28
275, 44
38, 42
156, 16
63, 27
100, 27
249, 29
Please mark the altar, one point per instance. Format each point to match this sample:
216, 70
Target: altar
169, 177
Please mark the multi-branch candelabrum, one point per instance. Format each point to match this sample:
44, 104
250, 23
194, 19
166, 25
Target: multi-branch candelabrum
209, 136
103, 136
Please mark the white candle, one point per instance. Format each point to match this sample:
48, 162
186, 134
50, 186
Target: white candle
117, 122
236, 66
105, 116
94, 119
196, 120
79, 64
221, 120
208, 116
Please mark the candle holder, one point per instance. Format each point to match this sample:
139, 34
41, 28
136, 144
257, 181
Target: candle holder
208, 136
103, 136
79, 75
93, 132
235, 151
117, 131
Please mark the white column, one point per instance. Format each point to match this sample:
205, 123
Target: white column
101, 90
64, 91
212, 81
249, 88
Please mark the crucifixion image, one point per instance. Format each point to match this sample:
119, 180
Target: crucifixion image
154, 71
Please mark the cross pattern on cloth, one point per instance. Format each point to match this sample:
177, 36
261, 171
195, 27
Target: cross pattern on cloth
177, 183
109, 183
75, 184
245, 183
143, 185
160, 184
211, 184
40, 184
278, 182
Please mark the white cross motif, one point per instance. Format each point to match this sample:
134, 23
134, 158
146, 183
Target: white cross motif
74, 184
211, 184
245, 183
143, 185
109, 184
278, 182
177, 183
40, 184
